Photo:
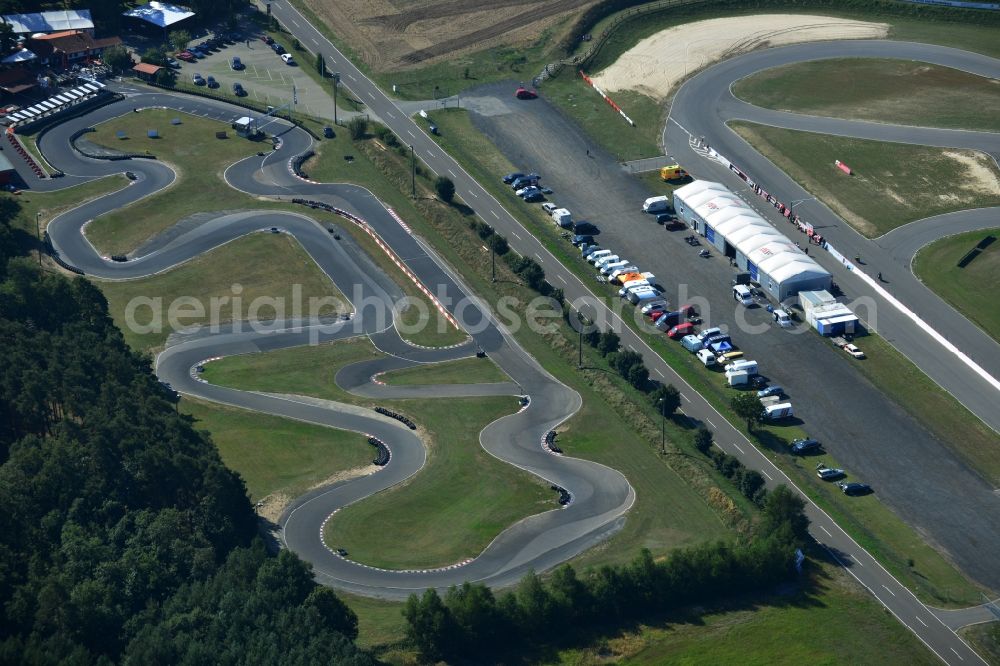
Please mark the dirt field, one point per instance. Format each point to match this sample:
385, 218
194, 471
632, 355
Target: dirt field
391, 35
659, 62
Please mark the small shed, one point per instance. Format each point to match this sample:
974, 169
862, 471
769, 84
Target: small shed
146, 71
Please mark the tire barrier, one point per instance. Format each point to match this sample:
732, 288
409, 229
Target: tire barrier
49, 250
564, 496
399, 417
382, 454
20, 150
120, 258
549, 442
299, 160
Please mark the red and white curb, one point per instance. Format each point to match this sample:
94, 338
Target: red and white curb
396, 217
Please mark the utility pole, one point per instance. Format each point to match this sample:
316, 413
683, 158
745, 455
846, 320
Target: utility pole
38, 235
413, 173
336, 84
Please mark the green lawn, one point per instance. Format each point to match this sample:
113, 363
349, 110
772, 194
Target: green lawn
263, 265
892, 183
985, 638
277, 456
969, 289
464, 371
431, 520
880, 90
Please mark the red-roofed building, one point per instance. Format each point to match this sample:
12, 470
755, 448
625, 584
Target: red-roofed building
146, 71
61, 49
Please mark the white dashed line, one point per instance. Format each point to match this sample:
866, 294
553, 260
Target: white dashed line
685, 397
411, 134
659, 373
473, 193
516, 235
920, 621
890, 592
539, 257
452, 173
371, 94
495, 214
351, 77
739, 449
710, 423
313, 40
560, 277
826, 530
956, 653
764, 472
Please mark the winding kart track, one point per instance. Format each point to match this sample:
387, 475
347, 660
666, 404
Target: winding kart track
600, 495
934, 627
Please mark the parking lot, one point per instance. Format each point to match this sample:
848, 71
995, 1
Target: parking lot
922, 479
266, 78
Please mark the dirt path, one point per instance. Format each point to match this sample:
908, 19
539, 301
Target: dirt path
658, 63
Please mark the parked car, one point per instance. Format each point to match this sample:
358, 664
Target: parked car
828, 473
580, 239
198, 53
851, 349
212, 83
803, 446
511, 177
238, 89
524, 93
665, 218
278, 48
267, 39
287, 59
549, 207
770, 391
853, 488
186, 56
328, 132
173, 64
197, 79
236, 63
532, 197
524, 190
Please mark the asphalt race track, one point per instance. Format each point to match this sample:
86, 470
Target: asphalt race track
705, 103
937, 633
600, 495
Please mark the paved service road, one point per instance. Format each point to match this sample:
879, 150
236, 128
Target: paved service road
600, 495
942, 640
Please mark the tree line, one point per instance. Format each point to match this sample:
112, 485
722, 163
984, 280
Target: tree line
471, 624
123, 536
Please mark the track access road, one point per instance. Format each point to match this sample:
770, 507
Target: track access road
600, 496
941, 639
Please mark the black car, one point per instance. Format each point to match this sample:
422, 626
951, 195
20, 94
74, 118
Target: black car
511, 177
665, 218
855, 488
584, 228
278, 48
238, 89
758, 382
580, 239
803, 446
328, 132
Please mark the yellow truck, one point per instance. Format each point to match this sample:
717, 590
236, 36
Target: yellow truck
673, 172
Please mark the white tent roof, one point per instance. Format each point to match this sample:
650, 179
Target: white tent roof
55, 21
160, 13
748, 232
20, 56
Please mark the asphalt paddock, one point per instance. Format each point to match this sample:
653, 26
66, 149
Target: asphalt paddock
878, 442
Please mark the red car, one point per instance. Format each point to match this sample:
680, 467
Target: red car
680, 330
186, 56
524, 93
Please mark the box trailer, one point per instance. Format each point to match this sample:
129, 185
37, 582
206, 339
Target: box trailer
562, 217
737, 378
692, 343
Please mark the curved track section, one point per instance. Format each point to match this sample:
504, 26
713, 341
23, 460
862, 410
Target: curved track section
601, 495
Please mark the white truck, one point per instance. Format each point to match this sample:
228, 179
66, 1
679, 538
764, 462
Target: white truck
659, 204
562, 217
782, 318
743, 295
781, 410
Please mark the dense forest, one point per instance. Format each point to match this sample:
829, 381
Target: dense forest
123, 537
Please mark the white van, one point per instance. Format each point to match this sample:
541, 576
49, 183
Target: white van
632, 285
601, 262
783, 319
608, 268
624, 269
742, 295
745, 365
594, 256
658, 204
706, 357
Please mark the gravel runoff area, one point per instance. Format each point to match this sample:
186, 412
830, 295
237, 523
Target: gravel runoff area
661, 61
870, 435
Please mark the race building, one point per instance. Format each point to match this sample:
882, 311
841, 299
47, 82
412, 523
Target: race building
727, 222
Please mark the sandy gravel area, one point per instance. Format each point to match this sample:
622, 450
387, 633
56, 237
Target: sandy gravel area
661, 61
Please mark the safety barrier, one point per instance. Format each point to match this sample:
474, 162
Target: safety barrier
396, 415
20, 150
382, 454
549, 442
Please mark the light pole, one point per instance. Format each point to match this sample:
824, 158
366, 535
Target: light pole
38, 235
791, 206
663, 427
